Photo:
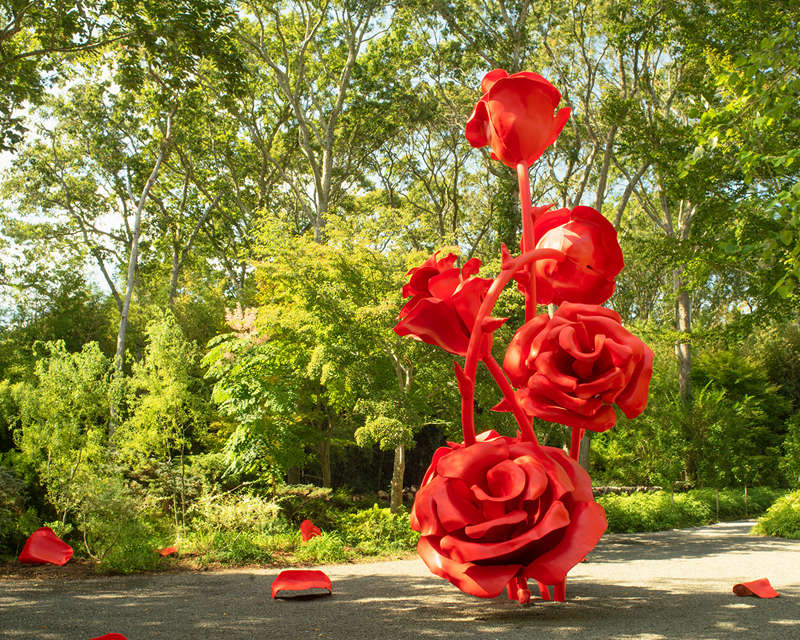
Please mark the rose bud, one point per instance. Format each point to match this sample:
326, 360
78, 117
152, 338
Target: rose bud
515, 117
593, 257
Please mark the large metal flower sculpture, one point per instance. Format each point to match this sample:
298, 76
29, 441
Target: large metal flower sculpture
495, 511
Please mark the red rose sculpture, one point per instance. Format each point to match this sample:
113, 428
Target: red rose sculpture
593, 257
515, 117
503, 508
444, 303
309, 530
572, 367
45, 547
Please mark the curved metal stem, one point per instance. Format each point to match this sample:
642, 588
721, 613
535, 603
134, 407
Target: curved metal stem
476, 339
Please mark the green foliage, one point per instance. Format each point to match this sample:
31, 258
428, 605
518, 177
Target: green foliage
378, 531
17, 519
236, 514
782, 518
327, 548
117, 527
734, 504
656, 511
661, 510
790, 462
63, 420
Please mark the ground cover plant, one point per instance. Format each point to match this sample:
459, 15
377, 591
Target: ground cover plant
782, 518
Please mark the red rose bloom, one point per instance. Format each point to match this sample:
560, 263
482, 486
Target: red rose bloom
504, 508
572, 367
593, 257
444, 303
515, 116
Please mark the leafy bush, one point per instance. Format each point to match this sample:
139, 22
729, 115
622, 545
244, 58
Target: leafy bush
732, 504
323, 549
118, 529
782, 518
656, 511
230, 547
377, 530
239, 513
17, 519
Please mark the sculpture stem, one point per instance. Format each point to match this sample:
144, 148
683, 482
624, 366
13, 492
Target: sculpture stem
575, 443
508, 393
528, 237
476, 339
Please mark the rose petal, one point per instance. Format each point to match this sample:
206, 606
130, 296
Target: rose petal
482, 581
461, 550
490, 527
471, 463
585, 529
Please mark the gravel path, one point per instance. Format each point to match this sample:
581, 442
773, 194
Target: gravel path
655, 586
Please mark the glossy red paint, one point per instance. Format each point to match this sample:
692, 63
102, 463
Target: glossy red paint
300, 582
309, 530
503, 510
444, 303
592, 260
45, 547
111, 636
515, 117
493, 511
759, 588
573, 367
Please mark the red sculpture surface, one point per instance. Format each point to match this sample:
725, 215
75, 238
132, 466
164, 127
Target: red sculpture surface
111, 636
309, 530
515, 117
495, 511
300, 582
168, 551
504, 508
444, 303
572, 367
45, 547
759, 588
593, 257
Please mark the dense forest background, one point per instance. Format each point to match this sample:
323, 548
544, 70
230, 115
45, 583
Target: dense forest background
209, 206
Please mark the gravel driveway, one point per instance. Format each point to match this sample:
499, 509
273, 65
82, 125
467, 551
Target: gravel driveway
654, 586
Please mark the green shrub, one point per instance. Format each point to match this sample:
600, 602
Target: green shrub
732, 504
377, 530
236, 513
17, 519
116, 526
782, 518
229, 547
327, 548
656, 511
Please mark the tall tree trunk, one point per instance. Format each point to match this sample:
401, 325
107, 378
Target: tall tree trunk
683, 322
325, 454
584, 454
398, 473
134, 253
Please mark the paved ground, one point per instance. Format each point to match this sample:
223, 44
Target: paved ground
656, 586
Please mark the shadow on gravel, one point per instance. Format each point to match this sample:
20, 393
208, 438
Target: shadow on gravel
238, 606
371, 602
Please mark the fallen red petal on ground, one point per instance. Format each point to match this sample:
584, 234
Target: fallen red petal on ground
45, 547
759, 588
300, 582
